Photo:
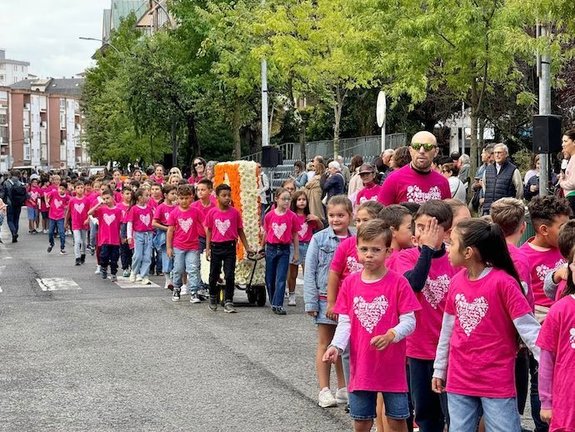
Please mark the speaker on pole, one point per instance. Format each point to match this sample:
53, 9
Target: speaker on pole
546, 134
271, 157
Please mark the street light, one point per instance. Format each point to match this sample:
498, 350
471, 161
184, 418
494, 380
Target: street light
102, 41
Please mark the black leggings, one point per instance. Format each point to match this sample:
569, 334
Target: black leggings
223, 253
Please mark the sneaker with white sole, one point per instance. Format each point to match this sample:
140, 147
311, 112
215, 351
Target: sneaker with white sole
341, 396
132, 277
139, 278
146, 281
195, 298
126, 273
98, 270
185, 290
114, 278
229, 307
326, 399
291, 300
176, 295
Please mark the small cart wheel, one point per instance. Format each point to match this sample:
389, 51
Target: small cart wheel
261, 296
252, 295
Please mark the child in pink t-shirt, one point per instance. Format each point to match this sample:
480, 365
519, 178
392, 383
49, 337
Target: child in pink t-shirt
206, 201
109, 220
160, 223
34, 195
280, 230
140, 231
223, 226
484, 311
429, 272
57, 201
556, 366
376, 313
182, 244
77, 217
307, 225
44, 191
370, 190
125, 246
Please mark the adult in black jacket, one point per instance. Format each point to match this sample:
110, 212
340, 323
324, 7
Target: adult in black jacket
13, 210
501, 179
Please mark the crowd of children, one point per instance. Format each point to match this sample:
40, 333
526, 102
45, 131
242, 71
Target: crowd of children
424, 311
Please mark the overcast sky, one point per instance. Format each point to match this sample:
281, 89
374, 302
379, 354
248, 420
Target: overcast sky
45, 33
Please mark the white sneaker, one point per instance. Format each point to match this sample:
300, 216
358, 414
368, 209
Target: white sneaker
341, 396
194, 298
145, 281
133, 277
98, 269
326, 399
291, 301
184, 290
169, 284
139, 278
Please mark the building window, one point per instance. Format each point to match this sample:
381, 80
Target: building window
2, 66
2, 77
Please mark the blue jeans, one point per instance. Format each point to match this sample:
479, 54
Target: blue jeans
167, 262
13, 218
540, 425
499, 414
428, 410
57, 224
187, 261
142, 253
277, 264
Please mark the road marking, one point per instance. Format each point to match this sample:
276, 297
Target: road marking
57, 284
125, 283
2, 268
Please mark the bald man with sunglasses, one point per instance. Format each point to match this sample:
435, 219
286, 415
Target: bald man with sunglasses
416, 182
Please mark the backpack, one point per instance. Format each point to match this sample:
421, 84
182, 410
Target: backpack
18, 193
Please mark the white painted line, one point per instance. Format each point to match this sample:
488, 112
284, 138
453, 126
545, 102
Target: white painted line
125, 283
2, 268
57, 284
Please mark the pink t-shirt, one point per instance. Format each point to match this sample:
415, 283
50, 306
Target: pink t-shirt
162, 213
560, 290
224, 225
78, 211
109, 220
541, 263
124, 208
558, 337
141, 218
34, 193
345, 259
280, 229
373, 309
483, 346
58, 204
44, 194
305, 229
153, 204
422, 343
408, 185
186, 225
204, 210
368, 193
521, 262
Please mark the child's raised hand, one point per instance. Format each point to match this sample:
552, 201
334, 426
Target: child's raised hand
311, 218
430, 235
546, 415
312, 314
330, 355
560, 274
381, 342
437, 385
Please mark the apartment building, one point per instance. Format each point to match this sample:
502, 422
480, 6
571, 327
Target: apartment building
12, 71
41, 124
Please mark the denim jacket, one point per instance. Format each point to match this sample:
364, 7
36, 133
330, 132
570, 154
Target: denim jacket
319, 255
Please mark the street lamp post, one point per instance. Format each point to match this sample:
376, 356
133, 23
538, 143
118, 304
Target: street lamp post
102, 41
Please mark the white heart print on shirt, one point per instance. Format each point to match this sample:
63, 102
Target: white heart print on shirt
109, 219
279, 230
57, 203
33, 196
572, 337
369, 314
222, 226
185, 224
79, 207
470, 314
542, 269
435, 289
145, 219
303, 230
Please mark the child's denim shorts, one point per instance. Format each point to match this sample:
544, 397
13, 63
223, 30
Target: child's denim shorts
302, 253
321, 318
362, 405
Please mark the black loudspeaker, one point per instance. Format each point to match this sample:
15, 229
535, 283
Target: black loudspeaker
546, 134
271, 157
167, 161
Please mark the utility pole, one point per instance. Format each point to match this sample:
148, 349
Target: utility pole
265, 125
544, 69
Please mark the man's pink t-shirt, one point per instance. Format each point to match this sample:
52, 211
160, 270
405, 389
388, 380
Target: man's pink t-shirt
370, 192
305, 229
408, 185
521, 262
345, 259
204, 210
541, 263
557, 336
109, 220
141, 218
224, 225
422, 343
186, 225
374, 308
78, 210
280, 228
483, 346
34, 193
58, 204
162, 213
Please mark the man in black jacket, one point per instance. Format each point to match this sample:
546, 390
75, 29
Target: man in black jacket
501, 179
13, 209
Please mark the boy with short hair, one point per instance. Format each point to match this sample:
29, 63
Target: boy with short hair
400, 221
206, 201
377, 346
57, 201
223, 227
34, 194
182, 244
555, 281
429, 272
77, 219
160, 223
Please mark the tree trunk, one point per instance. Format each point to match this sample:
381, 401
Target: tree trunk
174, 139
302, 142
236, 131
474, 115
193, 144
338, 108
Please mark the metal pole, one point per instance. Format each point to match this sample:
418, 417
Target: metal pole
265, 125
383, 138
544, 109
462, 128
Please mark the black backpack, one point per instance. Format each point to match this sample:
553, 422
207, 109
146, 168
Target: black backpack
18, 193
